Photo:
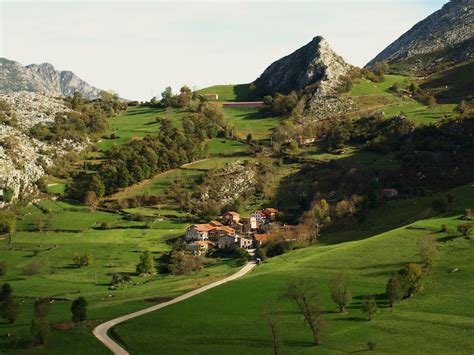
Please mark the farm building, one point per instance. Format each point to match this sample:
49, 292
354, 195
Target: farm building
389, 193
231, 217
199, 232
211, 97
243, 104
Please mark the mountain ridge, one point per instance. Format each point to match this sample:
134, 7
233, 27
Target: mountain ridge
43, 77
443, 38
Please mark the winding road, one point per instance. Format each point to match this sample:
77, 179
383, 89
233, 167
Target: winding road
101, 330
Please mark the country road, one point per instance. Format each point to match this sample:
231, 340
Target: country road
101, 330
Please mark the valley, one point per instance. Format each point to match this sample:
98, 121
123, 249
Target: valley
341, 196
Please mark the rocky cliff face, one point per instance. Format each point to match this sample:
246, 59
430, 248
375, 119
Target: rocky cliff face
446, 36
314, 64
23, 159
42, 78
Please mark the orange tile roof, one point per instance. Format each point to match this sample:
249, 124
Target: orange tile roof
270, 210
215, 223
261, 237
206, 227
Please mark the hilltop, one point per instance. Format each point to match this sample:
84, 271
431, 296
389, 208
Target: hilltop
42, 78
314, 64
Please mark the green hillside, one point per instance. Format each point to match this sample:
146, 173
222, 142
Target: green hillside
228, 319
227, 92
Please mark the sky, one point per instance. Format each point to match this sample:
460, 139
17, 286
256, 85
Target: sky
137, 48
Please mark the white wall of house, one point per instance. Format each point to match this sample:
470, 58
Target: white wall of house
194, 234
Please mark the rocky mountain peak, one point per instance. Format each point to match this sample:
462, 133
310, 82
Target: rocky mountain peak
42, 78
313, 64
446, 36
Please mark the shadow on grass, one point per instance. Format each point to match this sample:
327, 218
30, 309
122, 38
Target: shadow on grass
449, 238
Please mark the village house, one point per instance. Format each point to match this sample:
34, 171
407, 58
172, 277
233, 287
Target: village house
249, 224
389, 193
228, 241
270, 213
198, 232
260, 239
231, 217
260, 217
218, 232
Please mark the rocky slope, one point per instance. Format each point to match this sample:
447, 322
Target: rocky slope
314, 64
42, 78
23, 159
445, 37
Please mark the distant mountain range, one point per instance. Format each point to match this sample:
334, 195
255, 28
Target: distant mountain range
443, 39
42, 78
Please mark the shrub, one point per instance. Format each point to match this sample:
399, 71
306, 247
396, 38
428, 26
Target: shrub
465, 229
444, 228
82, 260
371, 345
106, 225
36, 266
7, 221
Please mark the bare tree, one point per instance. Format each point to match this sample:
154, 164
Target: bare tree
306, 295
341, 290
273, 322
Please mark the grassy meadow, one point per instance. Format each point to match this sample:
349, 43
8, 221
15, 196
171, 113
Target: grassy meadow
229, 319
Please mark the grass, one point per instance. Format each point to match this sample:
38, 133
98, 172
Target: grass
137, 122
210, 323
222, 146
74, 229
251, 121
227, 92
379, 97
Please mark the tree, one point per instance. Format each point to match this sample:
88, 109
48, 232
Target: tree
40, 322
273, 323
97, 185
338, 135
380, 68
411, 278
166, 97
340, 290
8, 194
467, 214
428, 250
306, 296
394, 289
79, 309
431, 102
90, 198
8, 306
369, 306
465, 229
3, 268
146, 264
7, 221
